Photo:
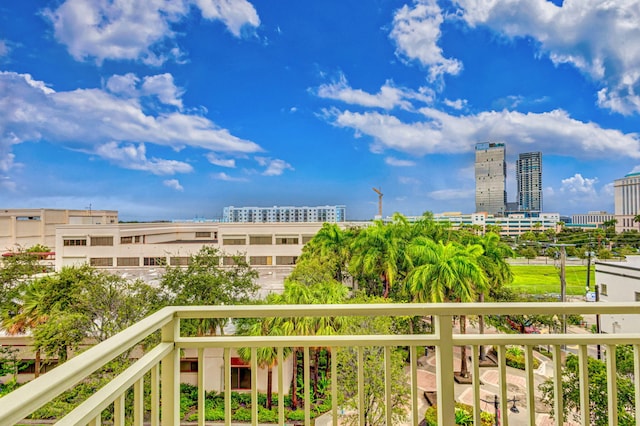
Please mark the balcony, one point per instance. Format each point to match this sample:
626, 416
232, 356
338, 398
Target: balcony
162, 362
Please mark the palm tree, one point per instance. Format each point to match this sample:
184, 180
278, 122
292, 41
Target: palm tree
376, 253
28, 316
446, 273
333, 243
636, 219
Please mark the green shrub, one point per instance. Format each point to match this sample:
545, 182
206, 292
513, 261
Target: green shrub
464, 416
214, 414
242, 415
515, 358
295, 415
267, 416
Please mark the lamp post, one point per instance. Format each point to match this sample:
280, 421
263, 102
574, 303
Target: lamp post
496, 406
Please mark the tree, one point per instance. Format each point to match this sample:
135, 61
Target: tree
375, 408
598, 408
15, 270
446, 272
331, 243
376, 253
205, 282
636, 219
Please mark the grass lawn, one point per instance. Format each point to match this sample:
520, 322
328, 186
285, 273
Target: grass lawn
545, 279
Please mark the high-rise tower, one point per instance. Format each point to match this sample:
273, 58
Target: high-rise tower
529, 178
491, 176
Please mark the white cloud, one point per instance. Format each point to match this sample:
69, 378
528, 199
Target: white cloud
406, 180
134, 157
392, 161
458, 104
388, 97
553, 132
274, 167
577, 184
33, 112
222, 162
164, 88
225, 177
124, 85
4, 48
452, 194
137, 29
173, 184
600, 38
416, 32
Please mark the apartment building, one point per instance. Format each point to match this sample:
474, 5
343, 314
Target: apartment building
274, 214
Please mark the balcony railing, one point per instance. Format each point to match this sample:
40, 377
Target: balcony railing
163, 361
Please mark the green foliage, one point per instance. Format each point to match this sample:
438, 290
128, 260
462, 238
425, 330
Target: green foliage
295, 415
597, 372
515, 358
205, 282
15, 271
242, 414
463, 413
267, 416
374, 386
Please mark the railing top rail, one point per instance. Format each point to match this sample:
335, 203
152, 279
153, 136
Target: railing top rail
407, 309
28, 398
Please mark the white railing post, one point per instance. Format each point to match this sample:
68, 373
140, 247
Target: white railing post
444, 370
170, 376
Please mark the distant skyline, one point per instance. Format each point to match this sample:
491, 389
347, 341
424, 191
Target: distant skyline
169, 109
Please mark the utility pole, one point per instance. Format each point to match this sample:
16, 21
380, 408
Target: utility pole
563, 280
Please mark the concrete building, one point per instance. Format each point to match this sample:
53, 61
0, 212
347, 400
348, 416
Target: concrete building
627, 201
141, 250
24, 228
491, 175
529, 181
619, 282
284, 214
592, 218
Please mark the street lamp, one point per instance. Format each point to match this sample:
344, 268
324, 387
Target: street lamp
496, 406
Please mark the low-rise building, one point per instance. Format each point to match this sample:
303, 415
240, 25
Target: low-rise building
619, 282
284, 214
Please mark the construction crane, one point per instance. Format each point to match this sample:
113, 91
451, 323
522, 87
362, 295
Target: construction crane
379, 192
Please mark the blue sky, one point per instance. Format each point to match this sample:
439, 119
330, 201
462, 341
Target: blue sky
166, 109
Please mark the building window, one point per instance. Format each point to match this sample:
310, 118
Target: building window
637, 296
101, 241
260, 260
234, 241
260, 239
287, 240
128, 261
603, 289
24, 218
74, 242
179, 261
229, 261
203, 234
286, 260
240, 374
155, 261
138, 239
126, 240
188, 365
101, 261
306, 238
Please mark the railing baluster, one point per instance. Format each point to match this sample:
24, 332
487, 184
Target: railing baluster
307, 381
254, 386
334, 386
155, 395
444, 370
97, 421
387, 384
583, 376
636, 374
361, 408
201, 385
476, 385
502, 385
413, 356
280, 386
227, 386
138, 402
558, 406
170, 380
530, 384
612, 386
118, 410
